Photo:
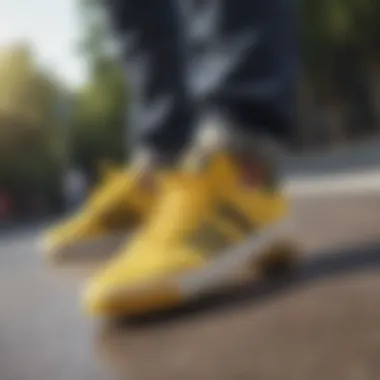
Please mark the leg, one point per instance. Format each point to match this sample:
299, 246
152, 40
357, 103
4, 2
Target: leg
152, 53
249, 69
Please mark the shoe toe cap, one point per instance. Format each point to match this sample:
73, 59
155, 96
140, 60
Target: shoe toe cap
102, 299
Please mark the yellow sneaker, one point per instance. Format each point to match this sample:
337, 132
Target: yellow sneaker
116, 208
207, 229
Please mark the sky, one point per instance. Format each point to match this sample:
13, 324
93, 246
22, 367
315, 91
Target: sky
52, 28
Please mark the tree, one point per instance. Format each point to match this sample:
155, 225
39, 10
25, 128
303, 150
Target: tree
100, 128
340, 40
28, 159
100, 119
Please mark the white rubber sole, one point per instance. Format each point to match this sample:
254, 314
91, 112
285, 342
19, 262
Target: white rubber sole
233, 262
96, 248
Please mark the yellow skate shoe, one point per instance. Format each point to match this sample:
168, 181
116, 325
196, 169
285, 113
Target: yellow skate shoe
115, 209
207, 229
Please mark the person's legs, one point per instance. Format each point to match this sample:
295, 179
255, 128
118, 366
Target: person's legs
244, 76
218, 217
152, 44
250, 62
243, 65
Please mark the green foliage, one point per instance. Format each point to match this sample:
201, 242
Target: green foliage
100, 118
27, 122
101, 104
334, 32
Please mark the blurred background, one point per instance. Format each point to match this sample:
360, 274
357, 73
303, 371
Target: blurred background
63, 96
63, 120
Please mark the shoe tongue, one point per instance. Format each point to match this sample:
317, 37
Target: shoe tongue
225, 166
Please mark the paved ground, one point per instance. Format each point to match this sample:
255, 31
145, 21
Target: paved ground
322, 322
